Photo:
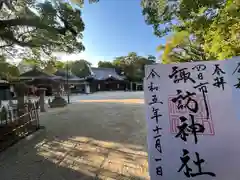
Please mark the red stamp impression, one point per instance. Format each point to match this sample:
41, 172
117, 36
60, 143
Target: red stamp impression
199, 117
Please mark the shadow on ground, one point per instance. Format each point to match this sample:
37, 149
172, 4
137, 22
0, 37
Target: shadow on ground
83, 141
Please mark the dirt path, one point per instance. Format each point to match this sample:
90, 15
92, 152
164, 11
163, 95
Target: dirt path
88, 140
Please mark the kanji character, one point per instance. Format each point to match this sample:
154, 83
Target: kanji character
152, 88
185, 129
218, 70
191, 103
180, 74
155, 100
153, 74
188, 171
156, 114
219, 82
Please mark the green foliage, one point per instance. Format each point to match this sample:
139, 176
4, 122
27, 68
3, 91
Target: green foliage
51, 26
212, 27
105, 64
7, 71
131, 65
50, 65
151, 58
181, 15
180, 48
12, 72
80, 68
59, 65
222, 40
32, 62
81, 2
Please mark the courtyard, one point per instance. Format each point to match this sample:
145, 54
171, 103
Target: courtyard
98, 136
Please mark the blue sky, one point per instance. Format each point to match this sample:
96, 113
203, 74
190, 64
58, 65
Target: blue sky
115, 28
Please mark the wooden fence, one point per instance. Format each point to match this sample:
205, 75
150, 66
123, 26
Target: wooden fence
16, 124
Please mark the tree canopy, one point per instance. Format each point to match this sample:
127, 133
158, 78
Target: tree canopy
213, 28
105, 64
180, 48
132, 65
50, 65
7, 71
49, 26
80, 68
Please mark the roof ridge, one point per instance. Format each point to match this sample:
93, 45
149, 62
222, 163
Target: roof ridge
102, 68
37, 69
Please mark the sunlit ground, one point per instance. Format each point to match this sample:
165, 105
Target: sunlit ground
127, 101
95, 158
91, 139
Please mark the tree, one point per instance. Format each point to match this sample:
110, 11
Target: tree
133, 65
12, 72
32, 62
80, 68
105, 64
7, 71
151, 58
207, 22
50, 26
181, 15
50, 65
180, 48
222, 39
80, 3
124, 65
60, 65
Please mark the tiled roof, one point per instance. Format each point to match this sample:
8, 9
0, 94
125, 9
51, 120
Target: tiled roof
37, 73
71, 76
63, 74
105, 73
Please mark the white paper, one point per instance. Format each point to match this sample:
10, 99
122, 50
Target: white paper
218, 145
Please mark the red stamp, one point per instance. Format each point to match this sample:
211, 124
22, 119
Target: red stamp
199, 117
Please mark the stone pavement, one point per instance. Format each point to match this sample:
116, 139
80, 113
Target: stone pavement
86, 140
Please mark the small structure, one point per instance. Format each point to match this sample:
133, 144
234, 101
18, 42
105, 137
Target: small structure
41, 79
47, 84
106, 79
76, 84
5, 93
136, 86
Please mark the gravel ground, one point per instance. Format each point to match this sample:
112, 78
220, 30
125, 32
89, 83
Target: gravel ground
92, 139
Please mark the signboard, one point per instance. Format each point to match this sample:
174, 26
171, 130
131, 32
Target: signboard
193, 121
